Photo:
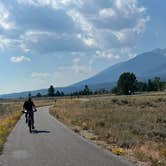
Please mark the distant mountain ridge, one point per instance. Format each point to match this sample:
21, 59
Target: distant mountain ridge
144, 66
66, 90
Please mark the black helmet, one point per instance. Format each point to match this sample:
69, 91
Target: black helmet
29, 96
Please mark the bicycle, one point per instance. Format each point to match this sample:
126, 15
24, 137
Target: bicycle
29, 119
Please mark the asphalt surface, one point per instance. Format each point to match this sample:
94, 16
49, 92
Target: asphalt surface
53, 144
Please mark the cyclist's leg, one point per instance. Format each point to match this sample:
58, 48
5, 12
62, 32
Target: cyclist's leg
32, 115
26, 116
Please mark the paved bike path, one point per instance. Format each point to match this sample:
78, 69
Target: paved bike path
53, 144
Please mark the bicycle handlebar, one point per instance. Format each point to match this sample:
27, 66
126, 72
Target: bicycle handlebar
25, 111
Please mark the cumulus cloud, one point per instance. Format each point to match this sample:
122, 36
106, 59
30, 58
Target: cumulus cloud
17, 59
5, 22
121, 15
4, 42
43, 79
48, 26
77, 67
40, 75
107, 54
118, 24
48, 42
63, 73
53, 3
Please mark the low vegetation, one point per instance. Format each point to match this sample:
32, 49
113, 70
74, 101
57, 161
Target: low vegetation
136, 124
9, 115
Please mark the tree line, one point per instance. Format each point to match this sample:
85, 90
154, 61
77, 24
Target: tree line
52, 93
127, 84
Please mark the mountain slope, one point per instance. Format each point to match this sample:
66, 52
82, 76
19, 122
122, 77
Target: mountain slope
145, 66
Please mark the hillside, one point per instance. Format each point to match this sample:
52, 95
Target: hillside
145, 66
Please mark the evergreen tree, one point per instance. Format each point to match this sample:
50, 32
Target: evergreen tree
57, 93
39, 95
62, 93
86, 90
51, 91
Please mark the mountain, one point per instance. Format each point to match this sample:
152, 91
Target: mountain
145, 66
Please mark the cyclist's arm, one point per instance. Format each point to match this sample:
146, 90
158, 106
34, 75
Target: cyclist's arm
24, 107
34, 107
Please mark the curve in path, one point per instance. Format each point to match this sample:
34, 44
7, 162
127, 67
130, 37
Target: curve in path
53, 144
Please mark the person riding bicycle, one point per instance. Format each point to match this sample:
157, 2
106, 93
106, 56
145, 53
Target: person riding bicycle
29, 106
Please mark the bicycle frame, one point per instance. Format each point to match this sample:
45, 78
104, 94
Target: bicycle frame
29, 119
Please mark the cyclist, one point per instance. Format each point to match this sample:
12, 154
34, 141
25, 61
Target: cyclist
29, 106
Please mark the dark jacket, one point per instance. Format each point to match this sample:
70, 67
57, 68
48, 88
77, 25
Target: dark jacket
28, 105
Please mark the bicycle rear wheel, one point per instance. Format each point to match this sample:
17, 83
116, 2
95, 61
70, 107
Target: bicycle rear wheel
30, 126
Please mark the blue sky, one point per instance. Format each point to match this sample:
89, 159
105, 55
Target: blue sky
60, 42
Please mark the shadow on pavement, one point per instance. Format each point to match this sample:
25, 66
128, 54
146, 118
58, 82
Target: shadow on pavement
41, 131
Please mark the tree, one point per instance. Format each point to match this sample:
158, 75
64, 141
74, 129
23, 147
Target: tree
51, 91
29, 94
155, 84
127, 83
150, 85
141, 86
115, 90
62, 93
57, 93
86, 90
39, 95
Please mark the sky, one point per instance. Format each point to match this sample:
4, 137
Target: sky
61, 42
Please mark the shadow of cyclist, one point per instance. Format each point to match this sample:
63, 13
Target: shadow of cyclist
41, 131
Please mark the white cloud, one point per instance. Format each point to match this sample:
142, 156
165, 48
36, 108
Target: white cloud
40, 75
127, 36
4, 42
52, 3
43, 79
17, 59
115, 55
87, 30
107, 54
46, 42
141, 24
77, 26
8, 43
4, 18
80, 21
88, 41
76, 60
79, 68
106, 13
128, 7
24, 47
64, 74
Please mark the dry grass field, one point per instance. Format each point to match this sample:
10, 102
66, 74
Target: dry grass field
134, 124
9, 115
10, 112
